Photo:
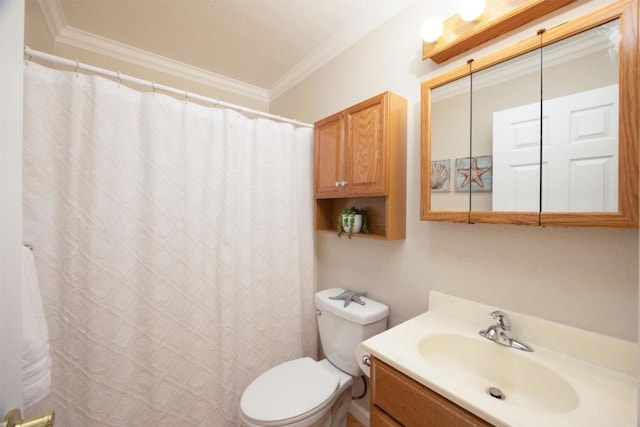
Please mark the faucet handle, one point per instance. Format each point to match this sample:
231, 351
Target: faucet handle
503, 320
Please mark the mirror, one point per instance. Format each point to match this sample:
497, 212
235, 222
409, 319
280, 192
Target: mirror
551, 129
580, 109
450, 121
505, 135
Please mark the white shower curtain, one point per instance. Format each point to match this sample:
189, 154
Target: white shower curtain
174, 246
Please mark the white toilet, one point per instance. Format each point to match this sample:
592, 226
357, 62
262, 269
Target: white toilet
306, 393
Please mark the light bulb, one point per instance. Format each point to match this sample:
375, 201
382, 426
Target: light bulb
431, 29
470, 10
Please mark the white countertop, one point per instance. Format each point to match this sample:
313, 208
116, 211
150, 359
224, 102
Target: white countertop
600, 369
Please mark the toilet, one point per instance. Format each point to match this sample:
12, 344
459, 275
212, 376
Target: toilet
308, 393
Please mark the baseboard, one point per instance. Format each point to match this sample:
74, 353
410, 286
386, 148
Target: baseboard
360, 412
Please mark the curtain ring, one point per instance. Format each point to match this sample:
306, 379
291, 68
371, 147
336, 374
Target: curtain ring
119, 78
153, 86
186, 96
77, 67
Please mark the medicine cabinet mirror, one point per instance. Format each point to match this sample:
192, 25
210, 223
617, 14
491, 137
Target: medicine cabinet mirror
542, 133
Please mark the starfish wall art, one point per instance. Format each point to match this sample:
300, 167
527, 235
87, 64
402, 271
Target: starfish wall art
474, 171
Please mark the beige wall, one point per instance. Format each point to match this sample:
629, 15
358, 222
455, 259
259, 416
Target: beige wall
39, 37
583, 277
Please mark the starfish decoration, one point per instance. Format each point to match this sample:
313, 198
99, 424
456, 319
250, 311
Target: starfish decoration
474, 173
349, 296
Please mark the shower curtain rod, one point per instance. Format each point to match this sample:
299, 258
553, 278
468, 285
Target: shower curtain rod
30, 53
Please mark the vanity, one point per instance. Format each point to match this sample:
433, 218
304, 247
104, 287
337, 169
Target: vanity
437, 370
543, 133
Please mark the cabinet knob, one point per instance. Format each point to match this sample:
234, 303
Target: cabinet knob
337, 184
343, 183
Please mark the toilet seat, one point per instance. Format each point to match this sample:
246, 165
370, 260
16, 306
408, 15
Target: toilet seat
289, 392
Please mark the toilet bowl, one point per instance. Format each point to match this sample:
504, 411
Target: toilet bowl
308, 393
298, 393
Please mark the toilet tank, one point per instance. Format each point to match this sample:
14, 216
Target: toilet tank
342, 328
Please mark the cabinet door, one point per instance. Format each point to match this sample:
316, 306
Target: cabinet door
365, 150
414, 405
328, 145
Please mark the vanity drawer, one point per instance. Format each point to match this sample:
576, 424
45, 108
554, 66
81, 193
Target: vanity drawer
412, 404
379, 418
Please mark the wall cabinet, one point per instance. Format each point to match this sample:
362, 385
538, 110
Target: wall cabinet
542, 133
360, 160
351, 151
397, 400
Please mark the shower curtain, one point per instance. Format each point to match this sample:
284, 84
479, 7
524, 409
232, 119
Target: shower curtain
174, 247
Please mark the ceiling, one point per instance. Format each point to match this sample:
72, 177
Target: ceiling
263, 46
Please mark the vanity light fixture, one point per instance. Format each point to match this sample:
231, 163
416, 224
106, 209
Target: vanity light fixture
479, 21
431, 29
471, 10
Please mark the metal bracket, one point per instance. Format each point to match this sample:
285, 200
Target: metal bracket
13, 418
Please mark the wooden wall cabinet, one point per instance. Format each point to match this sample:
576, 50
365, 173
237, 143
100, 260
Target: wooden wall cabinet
397, 400
360, 160
587, 59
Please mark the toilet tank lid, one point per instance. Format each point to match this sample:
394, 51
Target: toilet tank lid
372, 311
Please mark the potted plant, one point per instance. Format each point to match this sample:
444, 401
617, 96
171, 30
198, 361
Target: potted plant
352, 220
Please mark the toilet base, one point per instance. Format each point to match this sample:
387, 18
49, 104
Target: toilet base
336, 416
340, 409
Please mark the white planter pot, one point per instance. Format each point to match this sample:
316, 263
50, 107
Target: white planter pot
357, 225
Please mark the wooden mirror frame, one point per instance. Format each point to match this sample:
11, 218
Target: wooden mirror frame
629, 118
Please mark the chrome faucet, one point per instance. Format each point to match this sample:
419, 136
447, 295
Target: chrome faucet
498, 332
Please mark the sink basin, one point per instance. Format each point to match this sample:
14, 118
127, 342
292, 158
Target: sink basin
477, 363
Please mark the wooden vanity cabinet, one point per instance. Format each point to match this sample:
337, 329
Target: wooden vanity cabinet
360, 160
397, 400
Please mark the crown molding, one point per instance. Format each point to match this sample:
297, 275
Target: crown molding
70, 36
53, 16
102, 46
377, 13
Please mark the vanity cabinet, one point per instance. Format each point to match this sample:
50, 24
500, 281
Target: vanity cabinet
397, 400
360, 160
